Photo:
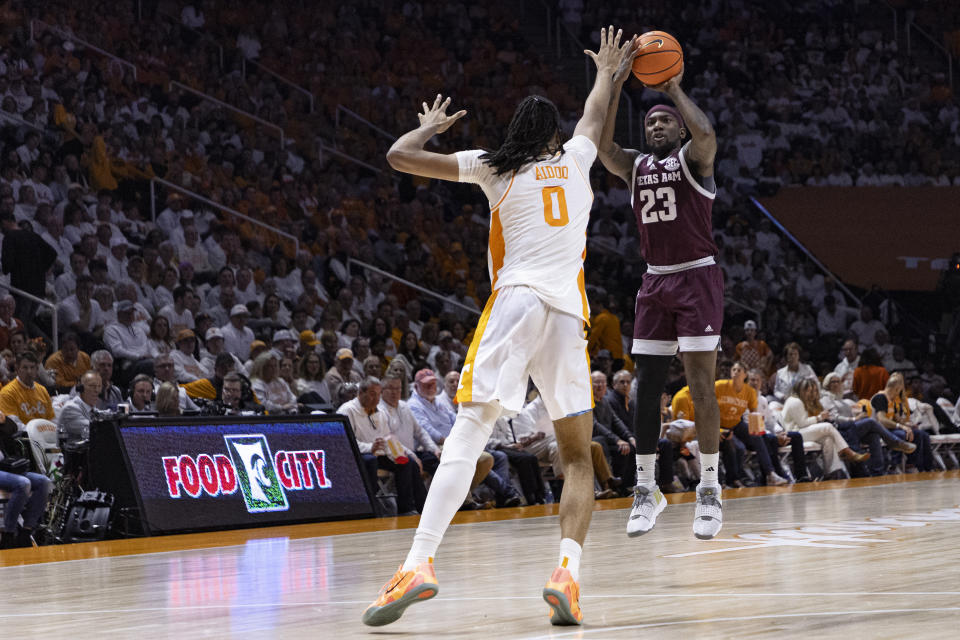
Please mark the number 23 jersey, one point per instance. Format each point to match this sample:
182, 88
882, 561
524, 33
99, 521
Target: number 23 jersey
672, 209
538, 223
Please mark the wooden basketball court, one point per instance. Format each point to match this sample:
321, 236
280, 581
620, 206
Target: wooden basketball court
868, 558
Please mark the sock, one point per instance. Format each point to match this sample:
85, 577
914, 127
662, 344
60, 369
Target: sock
570, 557
423, 549
709, 467
451, 482
646, 468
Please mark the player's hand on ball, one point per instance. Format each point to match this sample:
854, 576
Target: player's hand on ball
670, 85
436, 116
613, 57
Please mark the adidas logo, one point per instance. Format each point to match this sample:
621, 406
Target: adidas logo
709, 328
639, 468
710, 469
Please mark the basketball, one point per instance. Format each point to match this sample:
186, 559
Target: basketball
660, 58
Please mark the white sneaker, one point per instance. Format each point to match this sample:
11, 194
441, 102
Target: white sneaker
775, 479
708, 517
648, 502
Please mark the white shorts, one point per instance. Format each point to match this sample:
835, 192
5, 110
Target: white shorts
520, 336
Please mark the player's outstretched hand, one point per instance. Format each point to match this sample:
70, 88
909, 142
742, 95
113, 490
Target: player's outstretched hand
668, 87
613, 57
437, 115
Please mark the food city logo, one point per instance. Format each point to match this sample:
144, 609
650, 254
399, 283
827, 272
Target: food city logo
849, 534
262, 478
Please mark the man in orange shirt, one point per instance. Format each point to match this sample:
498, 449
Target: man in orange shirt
735, 398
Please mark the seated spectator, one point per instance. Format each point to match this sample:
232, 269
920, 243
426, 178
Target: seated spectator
342, 371
372, 367
892, 410
22, 399
73, 425
165, 370
28, 494
311, 388
237, 336
68, 364
141, 394
832, 320
870, 376
234, 388
752, 351
856, 425
110, 394
437, 421
371, 432
793, 439
403, 426
803, 412
188, 368
270, 389
849, 364
214, 347
736, 398
898, 363
159, 338
127, 342
448, 397
168, 400
791, 373
82, 315
211, 388
865, 329
177, 314
611, 432
8, 323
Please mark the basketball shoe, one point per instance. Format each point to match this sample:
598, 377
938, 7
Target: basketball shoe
648, 502
708, 516
562, 593
401, 591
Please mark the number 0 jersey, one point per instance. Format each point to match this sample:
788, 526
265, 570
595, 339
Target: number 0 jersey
673, 211
538, 223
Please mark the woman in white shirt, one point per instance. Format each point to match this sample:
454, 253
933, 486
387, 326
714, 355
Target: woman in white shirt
803, 412
271, 390
788, 376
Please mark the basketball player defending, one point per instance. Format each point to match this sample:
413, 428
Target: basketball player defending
533, 322
680, 302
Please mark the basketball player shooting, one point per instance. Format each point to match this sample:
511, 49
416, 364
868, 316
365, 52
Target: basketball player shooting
680, 301
533, 323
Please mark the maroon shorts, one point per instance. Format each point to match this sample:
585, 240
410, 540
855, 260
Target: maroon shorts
683, 309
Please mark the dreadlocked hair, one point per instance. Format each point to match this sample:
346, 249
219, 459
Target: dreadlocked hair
529, 136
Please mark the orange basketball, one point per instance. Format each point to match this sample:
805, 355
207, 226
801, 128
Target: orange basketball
660, 58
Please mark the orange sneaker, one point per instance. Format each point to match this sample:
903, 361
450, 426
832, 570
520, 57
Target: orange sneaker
401, 591
562, 593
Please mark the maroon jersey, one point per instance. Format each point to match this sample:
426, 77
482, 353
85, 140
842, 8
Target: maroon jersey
673, 211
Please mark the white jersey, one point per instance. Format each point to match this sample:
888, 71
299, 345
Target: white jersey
538, 223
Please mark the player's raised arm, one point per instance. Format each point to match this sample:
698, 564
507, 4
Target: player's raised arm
615, 159
611, 57
408, 155
702, 147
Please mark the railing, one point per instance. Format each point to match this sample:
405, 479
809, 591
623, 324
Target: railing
46, 303
913, 25
221, 103
576, 45
806, 251
417, 287
730, 302
357, 116
216, 205
16, 119
293, 85
348, 157
66, 35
